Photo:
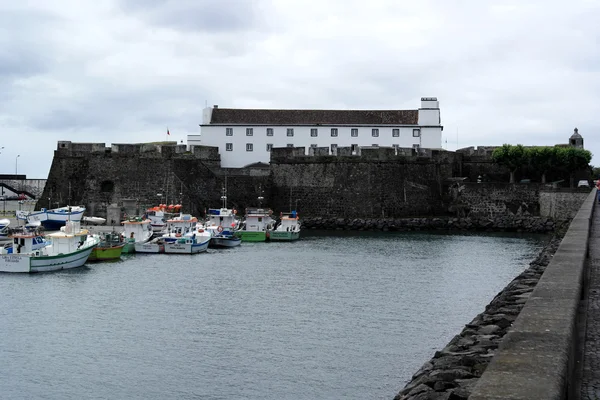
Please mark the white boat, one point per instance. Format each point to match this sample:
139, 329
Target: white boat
4, 229
190, 243
94, 220
30, 252
257, 226
154, 246
135, 230
159, 215
222, 224
54, 219
180, 226
288, 228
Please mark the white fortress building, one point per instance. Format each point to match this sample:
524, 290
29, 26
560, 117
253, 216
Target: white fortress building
246, 136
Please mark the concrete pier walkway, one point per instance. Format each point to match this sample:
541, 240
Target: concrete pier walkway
589, 385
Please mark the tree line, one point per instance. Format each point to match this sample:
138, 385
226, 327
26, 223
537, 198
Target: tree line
542, 159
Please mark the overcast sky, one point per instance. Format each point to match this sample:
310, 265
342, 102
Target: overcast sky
122, 71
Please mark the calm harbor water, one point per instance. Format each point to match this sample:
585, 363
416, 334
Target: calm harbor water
331, 316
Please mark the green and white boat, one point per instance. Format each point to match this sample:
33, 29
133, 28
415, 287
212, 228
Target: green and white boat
288, 228
257, 226
135, 230
30, 252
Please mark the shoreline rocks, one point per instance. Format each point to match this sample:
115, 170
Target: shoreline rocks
453, 371
496, 224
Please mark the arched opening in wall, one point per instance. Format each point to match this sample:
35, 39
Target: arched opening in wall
107, 186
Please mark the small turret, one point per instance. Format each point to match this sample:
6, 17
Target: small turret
576, 140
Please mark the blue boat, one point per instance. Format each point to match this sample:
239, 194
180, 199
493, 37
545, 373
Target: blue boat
54, 219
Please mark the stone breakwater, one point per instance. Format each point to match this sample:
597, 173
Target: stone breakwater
501, 223
453, 372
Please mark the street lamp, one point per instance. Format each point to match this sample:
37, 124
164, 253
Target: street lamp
17, 165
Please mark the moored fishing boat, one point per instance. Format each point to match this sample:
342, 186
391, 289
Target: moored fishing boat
159, 215
190, 243
180, 226
135, 230
154, 246
256, 226
30, 252
53, 219
288, 228
110, 247
221, 224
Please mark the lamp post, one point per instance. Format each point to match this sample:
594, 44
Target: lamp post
17, 165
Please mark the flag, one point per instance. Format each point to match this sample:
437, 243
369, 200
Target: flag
168, 132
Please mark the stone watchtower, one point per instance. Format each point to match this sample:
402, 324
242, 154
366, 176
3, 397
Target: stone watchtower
576, 140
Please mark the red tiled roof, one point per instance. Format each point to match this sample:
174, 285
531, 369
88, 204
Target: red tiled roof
236, 116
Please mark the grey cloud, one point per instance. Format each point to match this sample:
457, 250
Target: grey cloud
103, 110
198, 15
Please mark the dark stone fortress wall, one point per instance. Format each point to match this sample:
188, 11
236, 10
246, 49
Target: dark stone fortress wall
378, 183
375, 183
96, 176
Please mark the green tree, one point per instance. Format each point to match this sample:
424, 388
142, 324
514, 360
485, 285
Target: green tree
543, 159
512, 157
573, 160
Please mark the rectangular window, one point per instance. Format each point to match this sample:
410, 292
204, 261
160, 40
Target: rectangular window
416, 132
290, 145
334, 132
249, 131
314, 132
229, 146
290, 131
269, 131
249, 147
354, 132
228, 131
375, 132
395, 132
269, 146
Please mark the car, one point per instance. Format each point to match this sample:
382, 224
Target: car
583, 183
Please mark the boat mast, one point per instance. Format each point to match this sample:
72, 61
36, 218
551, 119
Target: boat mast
224, 197
260, 197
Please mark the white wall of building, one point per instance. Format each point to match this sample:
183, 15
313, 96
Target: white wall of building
240, 149
239, 155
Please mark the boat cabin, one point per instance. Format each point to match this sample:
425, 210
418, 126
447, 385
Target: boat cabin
135, 228
24, 244
223, 217
289, 222
258, 219
181, 225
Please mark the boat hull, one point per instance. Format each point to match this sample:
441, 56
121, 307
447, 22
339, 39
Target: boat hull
186, 248
284, 236
29, 263
129, 247
53, 221
106, 253
152, 248
225, 242
252, 236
